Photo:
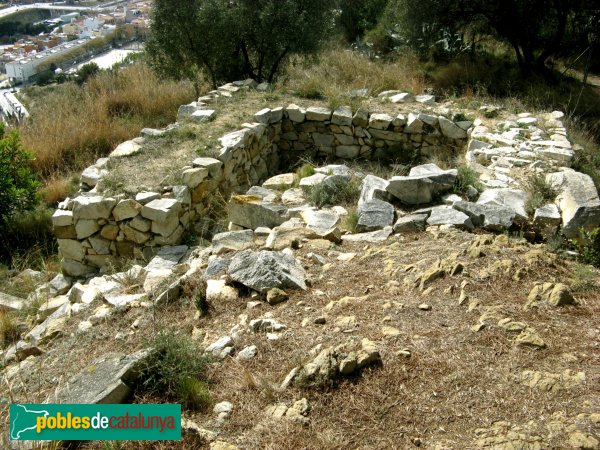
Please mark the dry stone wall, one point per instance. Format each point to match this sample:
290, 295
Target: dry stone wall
93, 230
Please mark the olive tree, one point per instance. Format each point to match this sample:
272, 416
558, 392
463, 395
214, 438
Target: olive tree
233, 39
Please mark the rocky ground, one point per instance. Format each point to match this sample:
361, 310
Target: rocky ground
411, 313
439, 339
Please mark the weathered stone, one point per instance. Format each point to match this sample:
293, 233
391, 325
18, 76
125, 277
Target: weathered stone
276, 296
108, 379
547, 219
94, 207
403, 97
309, 183
251, 212
347, 151
578, 201
374, 215
371, 236
450, 129
211, 164
75, 268
85, 228
373, 188
194, 176
380, 121
411, 223
266, 195
62, 218
50, 306
162, 265
295, 113
146, 197
294, 196
426, 99
265, 324
513, 199
232, 241
280, 182
323, 223
71, 249
65, 232
422, 184
121, 300
203, 115
529, 338
126, 209
187, 110
161, 210
361, 118
11, 303
554, 294
247, 353
489, 216
221, 348
446, 215
264, 270
125, 149
342, 116
219, 291
91, 176
318, 114
414, 125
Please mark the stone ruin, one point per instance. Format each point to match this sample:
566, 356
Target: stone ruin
93, 230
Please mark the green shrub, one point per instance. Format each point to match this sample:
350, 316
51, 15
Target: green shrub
336, 191
351, 220
466, 177
540, 192
305, 170
18, 187
588, 245
25, 234
9, 329
177, 371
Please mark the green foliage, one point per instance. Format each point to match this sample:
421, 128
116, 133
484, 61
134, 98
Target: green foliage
86, 71
540, 192
177, 371
358, 16
305, 170
27, 233
351, 220
335, 191
9, 329
588, 245
18, 187
583, 278
466, 177
534, 37
247, 38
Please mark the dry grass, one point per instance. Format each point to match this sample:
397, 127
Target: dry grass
456, 380
71, 126
338, 71
56, 189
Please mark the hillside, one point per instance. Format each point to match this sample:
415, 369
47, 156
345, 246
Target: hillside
425, 299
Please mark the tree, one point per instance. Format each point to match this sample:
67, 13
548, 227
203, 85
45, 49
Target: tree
358, 16
234, 39
86, 71
18, 187
535, 29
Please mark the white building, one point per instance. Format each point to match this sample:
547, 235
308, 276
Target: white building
23, 69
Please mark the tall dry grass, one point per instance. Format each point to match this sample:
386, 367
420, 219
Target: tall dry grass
73, 125
336, 72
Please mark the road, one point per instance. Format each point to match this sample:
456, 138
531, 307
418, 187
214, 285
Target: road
51, 6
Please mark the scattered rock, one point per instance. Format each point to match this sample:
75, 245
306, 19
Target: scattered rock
276, 296
554, 294
264, 270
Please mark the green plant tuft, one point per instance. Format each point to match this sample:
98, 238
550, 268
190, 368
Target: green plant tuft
335, 191
466, 177
177, 371
540, 192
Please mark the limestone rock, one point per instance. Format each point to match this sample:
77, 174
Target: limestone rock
411, 223
373, 188
94, 207
489, 216
109, 379
264, 270
232, 241
513, 199
371, 236
11, 303
554, 294
547, 219
251, 212
374, 215
446, 215
221, 348
577, 199
280, 182
422, 184
276, 296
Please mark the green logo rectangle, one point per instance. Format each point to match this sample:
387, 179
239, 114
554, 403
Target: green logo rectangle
66, 422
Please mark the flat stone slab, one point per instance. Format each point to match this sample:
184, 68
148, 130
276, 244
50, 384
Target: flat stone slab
264, 270
251, 212
374, 215
108, 379
489, 216
127, 148
232, 241
509, 198
371, 236
11, 303
446, 215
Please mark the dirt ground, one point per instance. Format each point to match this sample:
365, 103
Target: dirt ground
450, 378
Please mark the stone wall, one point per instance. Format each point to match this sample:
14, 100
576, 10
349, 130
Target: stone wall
93, 230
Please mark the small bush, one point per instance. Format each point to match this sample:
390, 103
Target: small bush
336, 191
27, 233
9, 329
588, 245
540, 192
351, 220
583, 278
466, 177
305, 170
177, 371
